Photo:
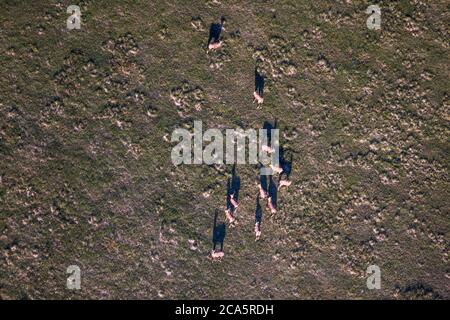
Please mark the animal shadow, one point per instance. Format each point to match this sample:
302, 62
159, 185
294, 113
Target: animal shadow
233, 187
269, 126
273, 192
259, 83
219, 233
215, 30
285, 163
258, 211
263, 181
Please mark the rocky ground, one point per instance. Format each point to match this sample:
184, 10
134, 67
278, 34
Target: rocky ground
86, 177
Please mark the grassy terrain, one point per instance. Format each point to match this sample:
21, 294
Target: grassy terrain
86, 177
